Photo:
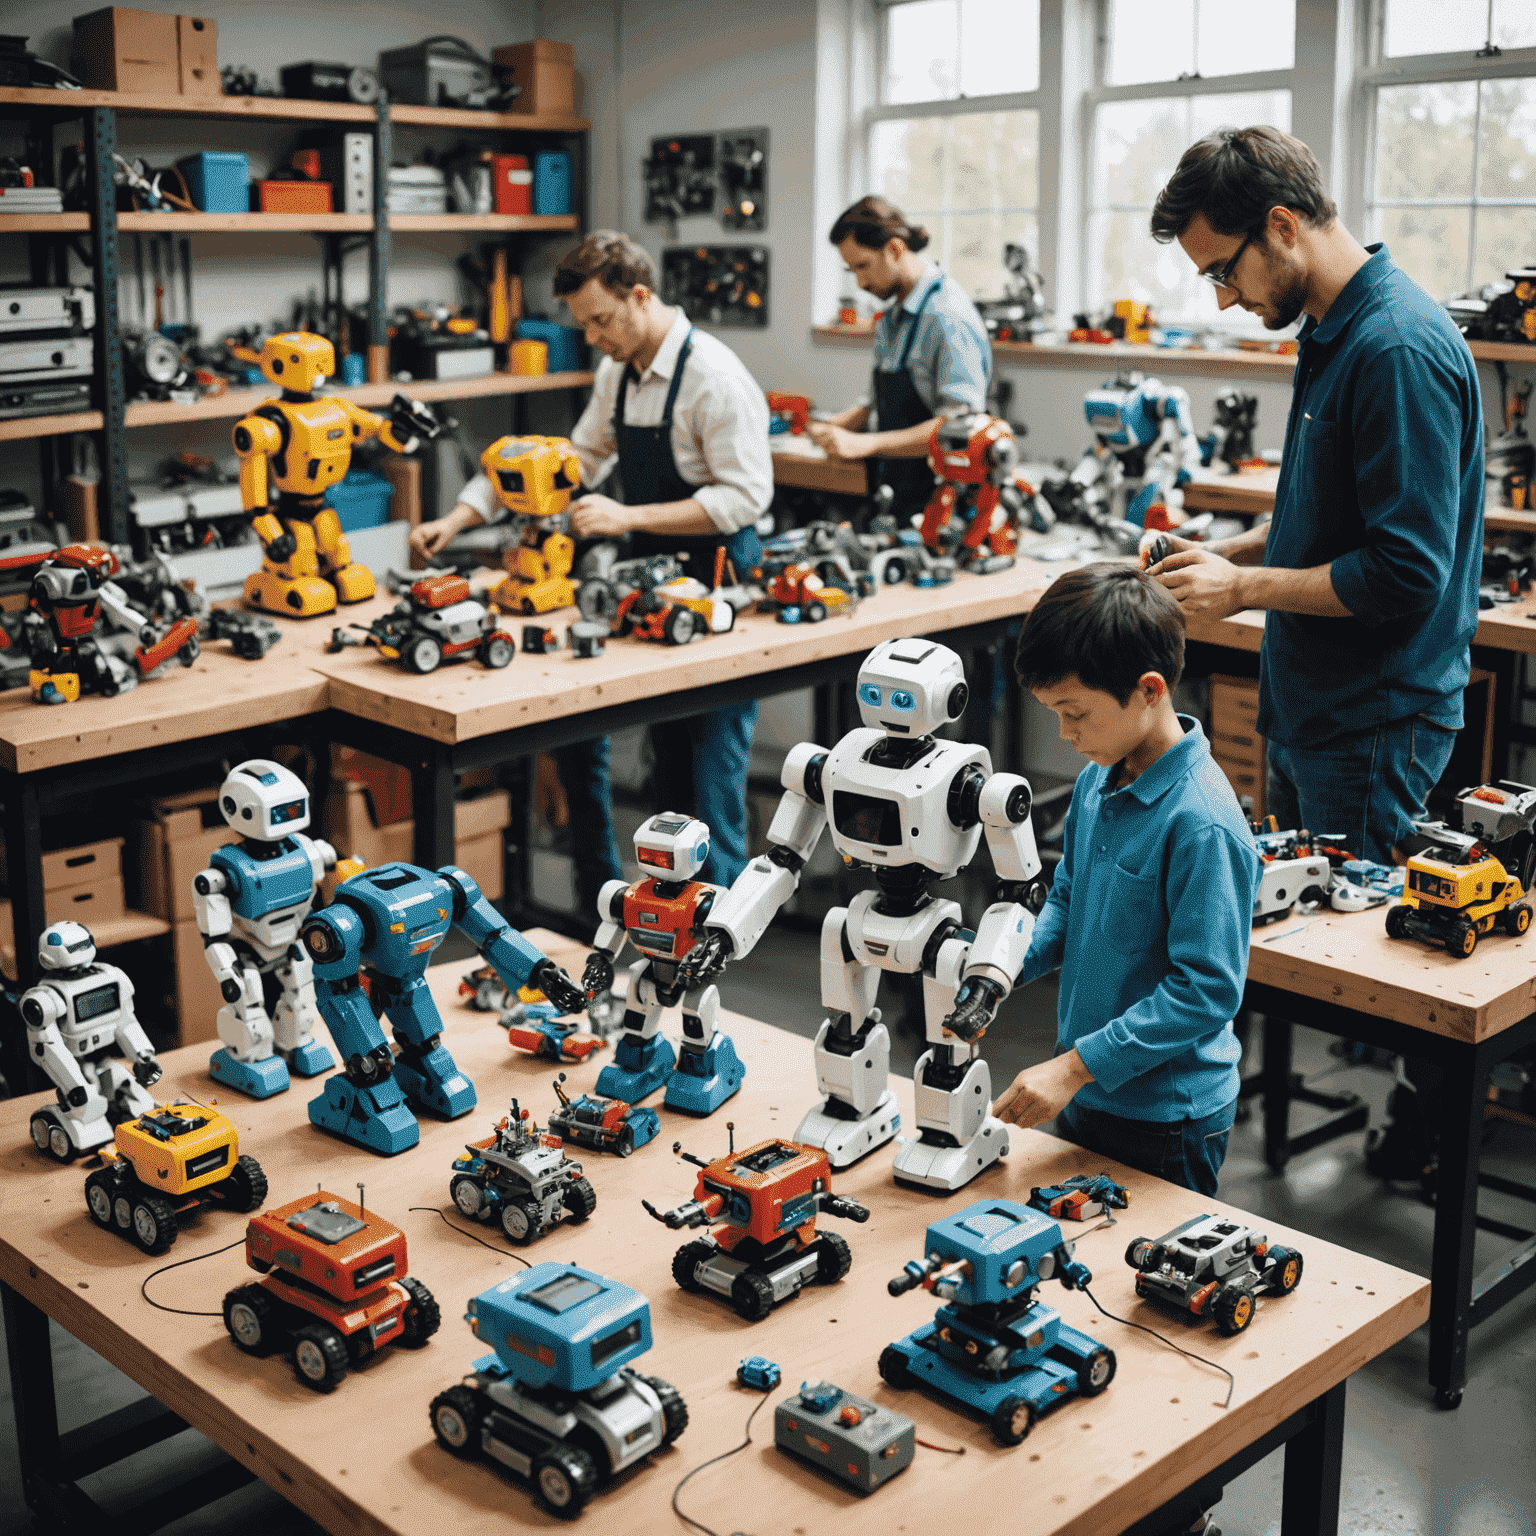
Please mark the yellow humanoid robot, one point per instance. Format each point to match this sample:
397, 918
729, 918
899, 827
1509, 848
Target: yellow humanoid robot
307, 442
533, 478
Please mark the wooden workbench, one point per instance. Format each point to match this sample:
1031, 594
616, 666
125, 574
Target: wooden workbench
363, 1460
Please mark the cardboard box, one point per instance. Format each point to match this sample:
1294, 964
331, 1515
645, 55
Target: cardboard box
174, 846
197, 56
197, 997
546, 70
123, 50
89, 864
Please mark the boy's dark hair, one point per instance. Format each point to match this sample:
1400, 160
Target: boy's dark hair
1106, 624
872, 221
611, 257
1235, 176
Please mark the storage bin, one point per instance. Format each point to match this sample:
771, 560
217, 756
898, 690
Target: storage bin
552, 182
290, 197
528, 358
219, 181
511, 184
563, 342
121, 50
361, 500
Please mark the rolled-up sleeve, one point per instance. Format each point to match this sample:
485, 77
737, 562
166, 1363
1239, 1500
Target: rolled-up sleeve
731, 429
479, 495
961, 368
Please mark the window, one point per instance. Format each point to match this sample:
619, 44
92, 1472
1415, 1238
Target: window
1452, 183
1195, 39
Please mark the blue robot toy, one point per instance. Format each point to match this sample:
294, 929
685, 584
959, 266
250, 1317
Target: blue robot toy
993, 1348
390, 920
249, 904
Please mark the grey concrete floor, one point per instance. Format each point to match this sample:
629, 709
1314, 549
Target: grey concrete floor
1409, 1470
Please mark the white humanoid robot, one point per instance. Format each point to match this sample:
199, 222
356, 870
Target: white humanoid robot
76, 1018
249, 904
911, 809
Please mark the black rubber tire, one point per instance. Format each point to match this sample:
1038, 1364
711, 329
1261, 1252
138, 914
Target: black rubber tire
893, 573
685, 1260
815, 612
422, 654
893, 1367
1097, 1371
246, 1187
457, 1417
680, 626
625, 1145
1461, 941
154, 1223
495, 652
423, 1317
55, 1140
752, 1296
1138, 1252
534, 1226
596, 600
1397, 921
254, 1326
564, 1479
1233, 1309
319, 1357
833, 1259
1012, 1420
101, 1188
580, 1199
459, 1191
1517, 920
1282, 1278
673, 1409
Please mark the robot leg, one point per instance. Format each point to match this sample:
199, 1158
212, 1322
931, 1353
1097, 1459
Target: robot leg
298, 1014
957, 1136
126, 1097
362, 1102
292, 587
708, 1069
853, 1057
245, 1060
425, 1070
352, 580
643, 1059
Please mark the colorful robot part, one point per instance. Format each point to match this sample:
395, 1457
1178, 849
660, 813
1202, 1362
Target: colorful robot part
657, 603
391, 919
250, 904
1080, 1197
763, 1203
661, 916
437, 621
565, 1336
790, 414
519, 1176
758, 1372
857, 1441
78, 1016
334, 1289
993, 1348
1210, 1266
588, 638
534, 478
166, 1166
603, 1125
798, 595
977, 507
532, 1022
539, 641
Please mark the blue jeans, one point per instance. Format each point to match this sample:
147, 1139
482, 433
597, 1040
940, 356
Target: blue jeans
701, 770
583, 771
1369, 789
1187, 1152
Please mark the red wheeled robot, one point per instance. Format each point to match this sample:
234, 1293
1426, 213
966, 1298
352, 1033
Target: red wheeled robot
974, 457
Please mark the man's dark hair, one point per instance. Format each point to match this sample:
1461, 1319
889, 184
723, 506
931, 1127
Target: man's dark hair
872, 221
612, 258
1106, 624
1235, 176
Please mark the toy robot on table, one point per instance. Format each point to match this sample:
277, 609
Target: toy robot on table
249, 905
661, 916
977, 506
534, 478
911, 809
302, 444
1229, 443
390, 920
77, 1016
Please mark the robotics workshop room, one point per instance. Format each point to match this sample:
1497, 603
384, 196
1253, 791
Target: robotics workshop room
847, 673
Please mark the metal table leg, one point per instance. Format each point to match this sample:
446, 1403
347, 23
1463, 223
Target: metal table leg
1314, 1463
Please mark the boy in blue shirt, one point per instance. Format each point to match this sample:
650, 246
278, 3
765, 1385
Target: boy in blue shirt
1151, 907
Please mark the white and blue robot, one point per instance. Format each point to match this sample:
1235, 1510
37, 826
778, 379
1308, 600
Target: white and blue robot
911, 810
390, 920
249, 904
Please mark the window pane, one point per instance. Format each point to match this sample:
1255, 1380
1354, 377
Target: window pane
1503, 241
1507, 164
999, 46
1430, 245
1146, 45
1438, 26
974, 244
1266, 38
1424, 140
1514, 23
1238, 109
1136, 145
921, 50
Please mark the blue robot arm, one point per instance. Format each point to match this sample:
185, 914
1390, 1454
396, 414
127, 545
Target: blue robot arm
335, 938
1073, 1273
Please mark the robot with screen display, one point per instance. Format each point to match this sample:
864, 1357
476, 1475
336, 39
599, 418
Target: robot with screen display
911, 809
77, 1017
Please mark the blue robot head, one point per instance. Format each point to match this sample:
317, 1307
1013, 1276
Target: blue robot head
995, 1250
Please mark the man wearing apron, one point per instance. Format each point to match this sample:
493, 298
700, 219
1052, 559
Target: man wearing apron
932, 356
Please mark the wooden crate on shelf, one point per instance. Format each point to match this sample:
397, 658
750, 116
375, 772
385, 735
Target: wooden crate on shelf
1235, 741
174, 846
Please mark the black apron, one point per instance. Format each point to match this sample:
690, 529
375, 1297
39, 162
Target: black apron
898, 406
648, 468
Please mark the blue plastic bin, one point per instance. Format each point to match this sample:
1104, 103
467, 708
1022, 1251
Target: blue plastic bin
563, 342
552, 182
361, 500
219, 181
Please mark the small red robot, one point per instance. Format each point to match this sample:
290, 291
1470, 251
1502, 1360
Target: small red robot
974, 457
68, 592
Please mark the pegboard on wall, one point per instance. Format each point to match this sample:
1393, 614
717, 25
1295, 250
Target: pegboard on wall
725, 285
709, 175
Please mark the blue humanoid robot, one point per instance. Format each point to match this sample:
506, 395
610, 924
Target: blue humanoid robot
390, 920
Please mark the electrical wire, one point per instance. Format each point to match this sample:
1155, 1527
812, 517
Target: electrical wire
239, 1242
1162, 1339
735, 1450
494, 1247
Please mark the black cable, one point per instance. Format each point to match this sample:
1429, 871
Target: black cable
494, 1247
735, 1450
1188, 1354
239, 1242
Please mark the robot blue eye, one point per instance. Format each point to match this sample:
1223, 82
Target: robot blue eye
869, 694
902, 700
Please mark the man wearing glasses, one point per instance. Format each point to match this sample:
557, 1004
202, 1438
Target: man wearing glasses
1370, 565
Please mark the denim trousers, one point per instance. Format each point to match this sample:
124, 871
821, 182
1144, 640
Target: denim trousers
583, 771
1187, 1152
701, 770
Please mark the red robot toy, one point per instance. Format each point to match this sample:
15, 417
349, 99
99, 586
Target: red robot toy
974, 457
68, 592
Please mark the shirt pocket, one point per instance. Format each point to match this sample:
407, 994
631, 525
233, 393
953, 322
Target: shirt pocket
1318, 453
1128, 917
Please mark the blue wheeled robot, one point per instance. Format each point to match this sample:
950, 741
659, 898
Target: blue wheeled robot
250, 904
994, 1349
390, 920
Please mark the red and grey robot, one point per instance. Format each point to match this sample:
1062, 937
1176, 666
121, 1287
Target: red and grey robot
663, 917
977, 506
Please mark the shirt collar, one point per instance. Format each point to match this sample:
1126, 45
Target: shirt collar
1352, 297
1169, 768
931, 275
664, 364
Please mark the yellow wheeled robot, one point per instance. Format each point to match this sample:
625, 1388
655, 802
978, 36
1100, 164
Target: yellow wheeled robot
302, 445
533, 478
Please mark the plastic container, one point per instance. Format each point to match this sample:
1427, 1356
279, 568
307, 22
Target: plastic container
563, 342
290, 197
361, 500
528, 358
218, 181
552, 182
511, 184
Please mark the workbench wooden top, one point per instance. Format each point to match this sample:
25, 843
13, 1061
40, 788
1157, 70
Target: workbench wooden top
363, 1460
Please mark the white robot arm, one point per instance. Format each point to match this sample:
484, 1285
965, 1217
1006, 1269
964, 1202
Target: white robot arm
123, 614
43, 1010
210, 904
322, 856
131, 1039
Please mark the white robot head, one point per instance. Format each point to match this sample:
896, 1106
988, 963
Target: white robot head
65, 947
264, 800
672, 846
911, 687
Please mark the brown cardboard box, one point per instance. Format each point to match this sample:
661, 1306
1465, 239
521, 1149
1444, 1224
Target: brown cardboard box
197, 56
174, 846
198, 999
89, 864
123, 50
546, 70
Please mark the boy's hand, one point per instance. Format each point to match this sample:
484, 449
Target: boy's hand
1040, 1093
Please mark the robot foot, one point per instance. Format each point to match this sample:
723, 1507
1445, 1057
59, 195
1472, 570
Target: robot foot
705, 1079
376, 1118
435, 1083
310, 1059
845, 1139
638, 1068
260, 1079
353, 583
947, 1166
299, 597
